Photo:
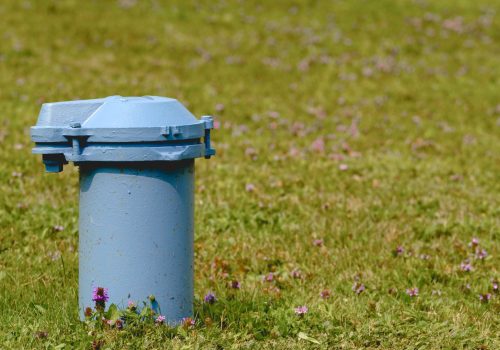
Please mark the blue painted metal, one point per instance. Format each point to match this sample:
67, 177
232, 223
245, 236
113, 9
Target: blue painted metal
136, 158
119, 129
136, 234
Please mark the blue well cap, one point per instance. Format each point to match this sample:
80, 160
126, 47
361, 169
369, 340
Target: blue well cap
119, 129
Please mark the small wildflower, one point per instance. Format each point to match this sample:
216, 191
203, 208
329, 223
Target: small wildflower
343, 167
318, 145
485, 297
188, 322
318, 242
269, 277
160, 319
296, 273
412, 292
325, 294
131, 305
358, 288
474, 242
100, 294
210, 298
152, 298
495, 287
58, 228
481, 254
87, 312
235, 284
294, 152
54, 255
400, 250
466, 266
119, 324
250, 188
251, 152
301, 310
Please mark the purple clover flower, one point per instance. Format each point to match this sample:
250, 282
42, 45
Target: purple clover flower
484, 297
269, 277
474, 242
210, 298
301, 310
481, 254
160, 319
100, 294
131, 305
318, 242
466, 266
400, 250
296, 273
495, 287
412, 292
250, 187
358, 288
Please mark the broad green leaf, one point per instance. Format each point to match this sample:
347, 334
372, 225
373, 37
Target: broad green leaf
113, 313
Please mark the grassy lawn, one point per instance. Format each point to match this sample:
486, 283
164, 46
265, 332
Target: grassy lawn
358, 146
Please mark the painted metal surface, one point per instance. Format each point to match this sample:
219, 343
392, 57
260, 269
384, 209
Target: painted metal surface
136, 158
136, 234
119, 129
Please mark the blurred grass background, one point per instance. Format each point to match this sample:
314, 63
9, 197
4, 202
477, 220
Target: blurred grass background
366, 124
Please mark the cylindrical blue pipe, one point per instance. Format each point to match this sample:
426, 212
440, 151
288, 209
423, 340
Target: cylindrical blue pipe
136, 234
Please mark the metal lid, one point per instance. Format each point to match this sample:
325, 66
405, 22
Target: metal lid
119, 129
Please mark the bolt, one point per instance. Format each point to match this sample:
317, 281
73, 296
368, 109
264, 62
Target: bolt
209, 121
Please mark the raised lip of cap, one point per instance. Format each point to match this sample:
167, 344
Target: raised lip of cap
144, 99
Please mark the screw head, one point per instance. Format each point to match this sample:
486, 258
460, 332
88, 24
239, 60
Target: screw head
75, 125
209, 121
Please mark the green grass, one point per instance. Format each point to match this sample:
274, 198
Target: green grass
404, 93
